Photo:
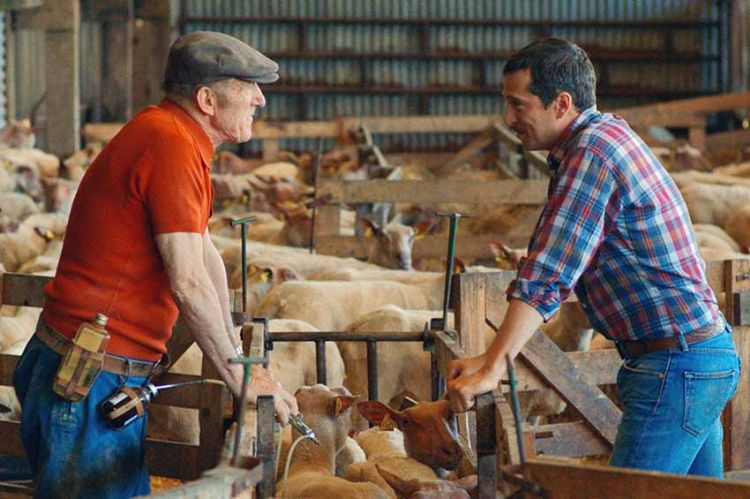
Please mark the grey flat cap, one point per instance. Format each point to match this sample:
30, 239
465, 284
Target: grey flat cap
207, 56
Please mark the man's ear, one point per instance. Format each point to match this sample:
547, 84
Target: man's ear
206, 100
563, 103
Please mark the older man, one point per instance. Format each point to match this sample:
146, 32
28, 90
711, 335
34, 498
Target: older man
616, 231
137, 250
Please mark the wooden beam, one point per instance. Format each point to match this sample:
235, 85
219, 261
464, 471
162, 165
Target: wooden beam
426, 124
468, 247
467, 302
468, 152
544, 357
23, 290
566, 439
565, 480
695, 105
434, 191
734, 140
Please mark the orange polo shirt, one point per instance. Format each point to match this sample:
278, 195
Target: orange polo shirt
152, 178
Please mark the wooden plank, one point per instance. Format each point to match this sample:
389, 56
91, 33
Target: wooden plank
544, 357
211, 417
496, 301
706, 104
10, 439
567, 439
486, 446
426, 124
265, 129
734, 140
469, 312
468, 152
566, 480
697, 137
434, 191
172, 459
638, 118
7, 365
467, 248
24, 290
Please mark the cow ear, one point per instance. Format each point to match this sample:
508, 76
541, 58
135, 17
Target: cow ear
403, 488
343, 402
422, 228
459, 267
369, 229
380, 414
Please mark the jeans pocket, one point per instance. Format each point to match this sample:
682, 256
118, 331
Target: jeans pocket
706, 395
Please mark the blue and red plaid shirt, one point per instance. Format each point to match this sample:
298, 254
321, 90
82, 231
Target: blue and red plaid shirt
616, 231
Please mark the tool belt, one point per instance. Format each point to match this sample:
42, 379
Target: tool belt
635, 348
112, 364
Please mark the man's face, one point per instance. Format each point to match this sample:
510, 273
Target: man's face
234, 113
536, 127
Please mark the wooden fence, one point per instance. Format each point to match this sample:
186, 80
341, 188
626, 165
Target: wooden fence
169, 459
479, 305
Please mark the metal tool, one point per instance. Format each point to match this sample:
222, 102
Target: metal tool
516, 407
299, 424
239, 318
129, 403
247, 364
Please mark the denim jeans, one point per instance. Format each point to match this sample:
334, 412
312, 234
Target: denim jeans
71, 451
672, 403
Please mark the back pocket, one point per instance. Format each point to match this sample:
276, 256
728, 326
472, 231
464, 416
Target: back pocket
706, 394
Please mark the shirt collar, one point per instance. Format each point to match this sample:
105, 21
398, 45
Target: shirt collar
559, 148
200, 137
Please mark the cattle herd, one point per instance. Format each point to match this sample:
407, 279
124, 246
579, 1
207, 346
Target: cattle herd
413, 449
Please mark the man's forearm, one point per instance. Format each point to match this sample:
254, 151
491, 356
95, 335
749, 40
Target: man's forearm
218, 276
520, 323
199, 307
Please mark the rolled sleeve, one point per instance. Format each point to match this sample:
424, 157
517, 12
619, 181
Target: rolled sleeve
582, 205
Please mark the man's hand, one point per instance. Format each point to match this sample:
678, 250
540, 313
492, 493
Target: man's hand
465, 366
262, 384
463, 388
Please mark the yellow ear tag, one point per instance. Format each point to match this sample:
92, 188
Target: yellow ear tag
339, 407
419, 235
368, 232
49, 235
264, 276
388, 424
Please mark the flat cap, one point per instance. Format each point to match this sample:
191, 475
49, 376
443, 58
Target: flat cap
207, 56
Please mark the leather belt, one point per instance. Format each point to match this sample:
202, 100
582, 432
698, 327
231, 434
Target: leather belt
634, 348
112, 364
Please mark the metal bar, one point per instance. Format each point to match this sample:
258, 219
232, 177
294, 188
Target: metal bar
438, 382
266, 421
372, 370
486, 446
320, 361
516, 406
336, 336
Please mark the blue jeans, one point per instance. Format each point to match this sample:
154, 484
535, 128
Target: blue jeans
672, 403
71, 451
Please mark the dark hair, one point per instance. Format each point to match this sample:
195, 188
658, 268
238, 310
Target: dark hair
556, 66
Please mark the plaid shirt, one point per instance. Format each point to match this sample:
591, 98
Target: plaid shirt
615, 230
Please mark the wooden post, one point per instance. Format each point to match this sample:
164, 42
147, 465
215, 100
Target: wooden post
211, 416
734, 418
61, 21
469, 311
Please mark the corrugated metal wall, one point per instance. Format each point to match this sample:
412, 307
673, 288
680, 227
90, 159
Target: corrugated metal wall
379, 57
